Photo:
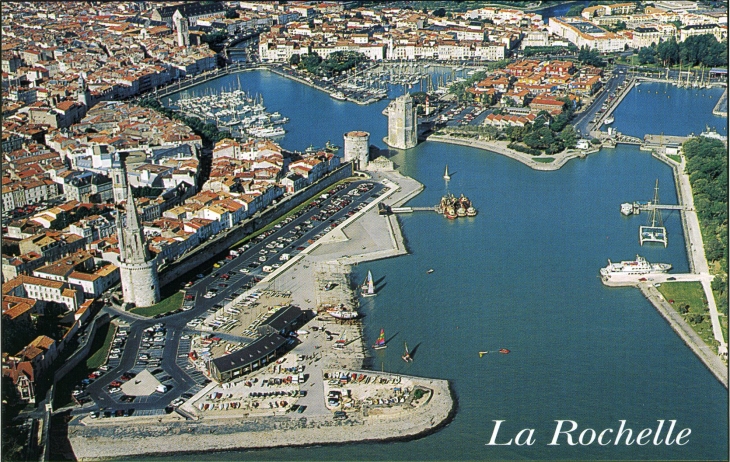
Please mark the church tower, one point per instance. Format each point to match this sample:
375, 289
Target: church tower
119, 179
137, 268
83, 95
181, 27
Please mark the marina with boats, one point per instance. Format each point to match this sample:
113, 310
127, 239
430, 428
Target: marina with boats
235, 111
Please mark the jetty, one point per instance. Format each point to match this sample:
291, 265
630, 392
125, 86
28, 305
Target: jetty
720, 108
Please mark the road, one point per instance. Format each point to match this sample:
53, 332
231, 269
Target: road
582, 120
172, 352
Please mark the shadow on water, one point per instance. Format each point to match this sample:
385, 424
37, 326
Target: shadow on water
413, 351
392, 337
378, 288
379, 281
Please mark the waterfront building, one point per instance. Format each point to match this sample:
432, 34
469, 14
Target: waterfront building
137, 268
357, 149
402, 123
271, 342
582, 33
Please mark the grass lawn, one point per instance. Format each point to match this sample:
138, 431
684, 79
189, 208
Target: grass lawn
544, 160
691, 293
676, 158
99, 356
171, 303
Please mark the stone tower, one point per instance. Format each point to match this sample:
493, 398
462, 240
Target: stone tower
402, 123
357, 148
83, 94
181, 28
137, 268
119, 179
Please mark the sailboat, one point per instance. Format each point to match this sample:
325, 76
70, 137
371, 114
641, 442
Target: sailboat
446, 173
406, 355
368, 288
380, 342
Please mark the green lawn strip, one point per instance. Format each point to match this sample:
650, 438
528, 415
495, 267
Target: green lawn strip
100, 346
171, 303
544, 160
676, 158
288, 214
99, 356
688, 299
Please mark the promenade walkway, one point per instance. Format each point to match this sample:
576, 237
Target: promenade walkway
500, 147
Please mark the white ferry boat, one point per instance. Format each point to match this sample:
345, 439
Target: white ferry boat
635, 267
266, 132
627, 208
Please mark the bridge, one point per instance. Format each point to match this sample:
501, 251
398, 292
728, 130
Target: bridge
413, 209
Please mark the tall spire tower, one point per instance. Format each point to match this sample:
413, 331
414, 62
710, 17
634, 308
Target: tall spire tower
137, 268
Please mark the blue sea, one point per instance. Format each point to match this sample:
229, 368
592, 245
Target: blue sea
523, 275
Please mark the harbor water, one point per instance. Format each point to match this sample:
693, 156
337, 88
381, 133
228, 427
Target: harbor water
522, 275
633, 118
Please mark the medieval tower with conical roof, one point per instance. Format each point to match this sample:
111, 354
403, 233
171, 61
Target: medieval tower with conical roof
137, 268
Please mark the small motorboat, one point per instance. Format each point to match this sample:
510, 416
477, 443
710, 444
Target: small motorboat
482, 353
504, 350
429, 271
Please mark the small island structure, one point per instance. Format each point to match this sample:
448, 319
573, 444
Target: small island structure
452, 207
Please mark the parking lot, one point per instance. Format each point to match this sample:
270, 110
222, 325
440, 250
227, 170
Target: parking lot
160, 347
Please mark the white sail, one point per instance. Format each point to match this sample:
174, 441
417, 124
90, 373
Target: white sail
368, 287
446, 173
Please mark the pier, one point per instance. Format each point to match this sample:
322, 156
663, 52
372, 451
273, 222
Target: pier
655, 231
413, 209
720, 108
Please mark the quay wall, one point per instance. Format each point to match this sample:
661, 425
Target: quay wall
681, 200
709, 358
225, 240
717, 110
82, 352
167, 436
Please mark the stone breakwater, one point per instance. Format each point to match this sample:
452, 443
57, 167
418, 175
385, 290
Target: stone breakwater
367, 236
170, 435
500, 147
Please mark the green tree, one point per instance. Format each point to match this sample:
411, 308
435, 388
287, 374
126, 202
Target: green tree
647, 55
590, 56
568, 136
295, 60
668, 52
